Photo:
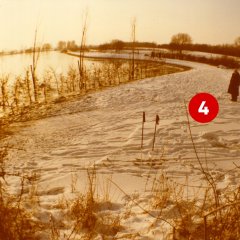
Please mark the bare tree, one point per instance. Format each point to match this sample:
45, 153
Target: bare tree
117, 45
81, 54
62, 45
132, 68
4, 91
17, 92
237, 42
47, 47
36, 55
28, 87
56, 79
179, 40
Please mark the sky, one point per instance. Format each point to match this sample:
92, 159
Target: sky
206, 21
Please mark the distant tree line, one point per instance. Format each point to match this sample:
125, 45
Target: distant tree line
182, 41
119, 45
226, 61
226, 49
179, 42
65, 46
44, 48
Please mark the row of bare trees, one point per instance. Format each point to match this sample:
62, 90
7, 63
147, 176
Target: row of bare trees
32, 89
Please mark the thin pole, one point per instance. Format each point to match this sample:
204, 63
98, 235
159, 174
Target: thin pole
205, 227
156, 123
174, 233
143, 121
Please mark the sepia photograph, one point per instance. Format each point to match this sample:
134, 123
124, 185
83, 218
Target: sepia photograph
119, 120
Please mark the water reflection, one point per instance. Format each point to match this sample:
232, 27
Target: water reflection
16, 65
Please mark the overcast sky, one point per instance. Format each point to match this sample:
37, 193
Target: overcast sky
207, 21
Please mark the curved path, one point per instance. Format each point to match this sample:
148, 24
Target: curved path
104, 128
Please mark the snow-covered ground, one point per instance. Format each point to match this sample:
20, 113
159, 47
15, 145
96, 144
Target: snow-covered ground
126, 54
145, 54
104, 128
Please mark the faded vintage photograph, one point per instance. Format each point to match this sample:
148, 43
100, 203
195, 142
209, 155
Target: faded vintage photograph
119, 120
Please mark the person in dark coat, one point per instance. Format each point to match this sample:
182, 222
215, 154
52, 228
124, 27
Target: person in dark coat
234, 84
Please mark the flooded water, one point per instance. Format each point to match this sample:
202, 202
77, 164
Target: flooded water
18, 64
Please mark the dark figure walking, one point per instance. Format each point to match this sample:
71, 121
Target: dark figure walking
233, 88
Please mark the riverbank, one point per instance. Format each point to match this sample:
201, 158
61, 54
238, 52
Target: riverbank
142, 190
55, 87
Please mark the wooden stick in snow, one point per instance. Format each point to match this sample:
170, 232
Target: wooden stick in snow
143, 121
156, 123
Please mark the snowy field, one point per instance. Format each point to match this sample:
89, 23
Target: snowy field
104, 129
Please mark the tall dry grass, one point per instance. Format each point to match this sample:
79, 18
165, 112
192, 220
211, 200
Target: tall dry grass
15, 222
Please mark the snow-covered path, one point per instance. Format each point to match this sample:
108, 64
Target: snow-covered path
107, 124
104, 128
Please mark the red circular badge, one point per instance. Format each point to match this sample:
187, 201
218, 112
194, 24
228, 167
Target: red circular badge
203, 107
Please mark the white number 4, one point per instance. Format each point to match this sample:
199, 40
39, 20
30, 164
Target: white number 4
203, 109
